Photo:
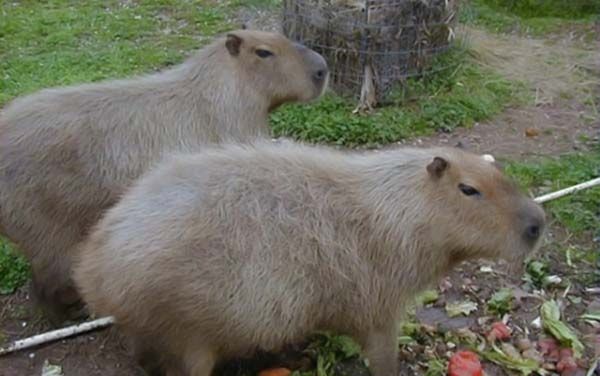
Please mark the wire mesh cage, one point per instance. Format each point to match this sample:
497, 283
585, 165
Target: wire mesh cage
372, 45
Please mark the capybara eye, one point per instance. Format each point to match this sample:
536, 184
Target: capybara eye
468, 190
263, 53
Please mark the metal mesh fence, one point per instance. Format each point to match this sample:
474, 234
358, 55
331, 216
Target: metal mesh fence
372, 45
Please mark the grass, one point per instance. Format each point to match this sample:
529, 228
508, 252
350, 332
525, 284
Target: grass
464, 94
14, 270
572, 9
60, 42
578, 212
528, 17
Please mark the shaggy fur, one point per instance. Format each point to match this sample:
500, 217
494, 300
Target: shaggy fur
216, 254
67, 154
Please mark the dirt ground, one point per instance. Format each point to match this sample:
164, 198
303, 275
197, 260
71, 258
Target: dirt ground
561, 123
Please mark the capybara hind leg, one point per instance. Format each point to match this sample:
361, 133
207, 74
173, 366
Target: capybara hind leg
148, 359
380, 349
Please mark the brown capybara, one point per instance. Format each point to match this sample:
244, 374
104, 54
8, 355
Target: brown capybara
66, 154
242, 247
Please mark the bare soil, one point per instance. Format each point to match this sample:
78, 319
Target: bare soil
559, 122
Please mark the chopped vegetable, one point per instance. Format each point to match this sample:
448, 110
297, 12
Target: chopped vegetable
509, 357
551, 322
501, 302
458, 308
465, 363
499, 331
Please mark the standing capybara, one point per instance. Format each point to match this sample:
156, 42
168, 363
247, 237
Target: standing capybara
67, 154
216, 254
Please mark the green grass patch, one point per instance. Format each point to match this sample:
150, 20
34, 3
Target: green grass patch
61, 42
572, 9
578, 212
500, 16
14, 269
457, 96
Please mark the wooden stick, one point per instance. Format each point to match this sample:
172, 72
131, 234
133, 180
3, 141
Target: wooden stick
567, 191
106, 321
56, 334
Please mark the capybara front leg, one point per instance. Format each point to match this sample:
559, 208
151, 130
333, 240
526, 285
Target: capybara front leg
381, 350
59, 299
200, 362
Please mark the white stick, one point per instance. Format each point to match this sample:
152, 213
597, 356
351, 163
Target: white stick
106, 321
567, 191
56, 334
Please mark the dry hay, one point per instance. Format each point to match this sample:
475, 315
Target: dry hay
553, 68
371, 45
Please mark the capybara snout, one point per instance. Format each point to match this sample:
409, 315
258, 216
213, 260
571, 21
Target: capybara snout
317, 66
532, 220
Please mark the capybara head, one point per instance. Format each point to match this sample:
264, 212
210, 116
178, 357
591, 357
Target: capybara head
482, 213
294, 72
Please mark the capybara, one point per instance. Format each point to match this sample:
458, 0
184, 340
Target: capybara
213, 255
67, 154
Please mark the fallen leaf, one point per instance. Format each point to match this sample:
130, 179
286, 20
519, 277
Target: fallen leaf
465, 363
428, 296
550, 314
457, 308
531, 132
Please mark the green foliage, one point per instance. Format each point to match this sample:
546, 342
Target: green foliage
457, 96
436, 367
535, 273
578, 212
551, 322
554, 16
548, 8
501, 302
329, 350
14, 269
60, 42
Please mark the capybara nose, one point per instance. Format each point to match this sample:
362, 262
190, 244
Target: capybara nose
320, 75
534, 228
533, 232
316, 61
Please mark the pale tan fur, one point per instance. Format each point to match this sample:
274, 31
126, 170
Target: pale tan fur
216, 254
66, 154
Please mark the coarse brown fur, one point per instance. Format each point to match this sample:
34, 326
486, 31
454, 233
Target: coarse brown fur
66, 154
237, 248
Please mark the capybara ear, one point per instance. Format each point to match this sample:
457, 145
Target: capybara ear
233, 44
437, 167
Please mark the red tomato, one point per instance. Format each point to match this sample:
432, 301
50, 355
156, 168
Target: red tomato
275, 372
566, 364
465, 363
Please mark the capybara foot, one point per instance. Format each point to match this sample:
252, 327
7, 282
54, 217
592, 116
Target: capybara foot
59, 305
